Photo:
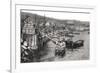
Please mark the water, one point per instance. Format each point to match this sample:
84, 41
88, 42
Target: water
78, 54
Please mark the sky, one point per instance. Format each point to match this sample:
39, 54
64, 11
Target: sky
62, 15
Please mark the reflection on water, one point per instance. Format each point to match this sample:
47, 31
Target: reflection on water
77, 54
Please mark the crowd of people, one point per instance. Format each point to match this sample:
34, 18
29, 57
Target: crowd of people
28, 54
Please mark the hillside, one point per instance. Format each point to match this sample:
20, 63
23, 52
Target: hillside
39, 18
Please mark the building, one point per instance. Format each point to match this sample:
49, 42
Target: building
29, 33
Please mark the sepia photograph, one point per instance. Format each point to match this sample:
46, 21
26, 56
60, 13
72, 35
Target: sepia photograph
52, 36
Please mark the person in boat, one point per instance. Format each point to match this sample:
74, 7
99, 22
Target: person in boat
60, 49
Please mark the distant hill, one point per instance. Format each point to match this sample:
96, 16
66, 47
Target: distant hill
58, 22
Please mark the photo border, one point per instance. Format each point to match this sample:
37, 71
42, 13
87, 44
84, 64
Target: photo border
15, 36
